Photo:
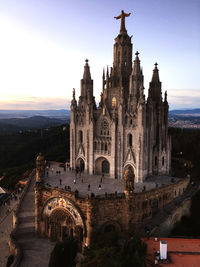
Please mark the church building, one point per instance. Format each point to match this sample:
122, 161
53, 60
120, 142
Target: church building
126, 130
125, 138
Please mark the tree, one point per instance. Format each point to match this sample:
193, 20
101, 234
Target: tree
110, 251
64, 253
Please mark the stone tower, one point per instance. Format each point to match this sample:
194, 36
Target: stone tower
40, 168
126, 131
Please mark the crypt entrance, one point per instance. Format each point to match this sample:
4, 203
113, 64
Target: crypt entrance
62, 219
61, 225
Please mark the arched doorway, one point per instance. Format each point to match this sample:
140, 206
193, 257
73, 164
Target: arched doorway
61, 225
129, 178
63, 219
109, 228
81, 164
102, 166
131, 170
105, 167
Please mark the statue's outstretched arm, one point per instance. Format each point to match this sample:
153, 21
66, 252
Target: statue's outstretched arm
119, 17
127, 14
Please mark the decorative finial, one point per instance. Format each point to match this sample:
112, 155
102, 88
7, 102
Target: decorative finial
86, 61
137, 53
122, 17
165, 96
156, 64
73, 94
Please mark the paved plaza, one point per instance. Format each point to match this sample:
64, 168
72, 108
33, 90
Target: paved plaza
55, 176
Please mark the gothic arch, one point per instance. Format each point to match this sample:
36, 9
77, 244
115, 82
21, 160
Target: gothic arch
80, 163
110, 226
102, 165
62, 218
129, 165
60, 224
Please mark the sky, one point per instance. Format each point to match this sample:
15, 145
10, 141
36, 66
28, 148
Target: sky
44, 44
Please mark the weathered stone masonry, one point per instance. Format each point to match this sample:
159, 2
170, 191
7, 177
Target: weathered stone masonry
122, 212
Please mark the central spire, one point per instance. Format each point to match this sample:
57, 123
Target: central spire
122, 17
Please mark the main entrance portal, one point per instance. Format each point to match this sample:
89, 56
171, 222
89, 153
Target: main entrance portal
105, 167
102, 166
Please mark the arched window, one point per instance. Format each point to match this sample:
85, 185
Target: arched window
114, 102
106, 147
163, 161
129, 140
80, 136
102, 145
131, 121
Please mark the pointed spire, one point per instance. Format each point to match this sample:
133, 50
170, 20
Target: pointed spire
165, 96
103, 79
74, 94
103, 74
155, 77
136, 65
107, 72
155, 92
107, 78
87, 83
86, 74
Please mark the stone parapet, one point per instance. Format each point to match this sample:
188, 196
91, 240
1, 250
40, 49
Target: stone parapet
13, 244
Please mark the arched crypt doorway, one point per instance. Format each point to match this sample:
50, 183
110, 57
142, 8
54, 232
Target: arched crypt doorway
61, 225
62, 219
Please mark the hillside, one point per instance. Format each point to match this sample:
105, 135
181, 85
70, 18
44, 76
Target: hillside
59, 114
18, 151
23, 124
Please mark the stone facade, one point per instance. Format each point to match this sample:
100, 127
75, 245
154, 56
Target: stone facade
125, 130
62, 212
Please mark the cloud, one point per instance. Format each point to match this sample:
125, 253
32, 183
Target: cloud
183, 99
177, 99
35, 103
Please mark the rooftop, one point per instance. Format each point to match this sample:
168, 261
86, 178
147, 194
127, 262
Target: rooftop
56, 177
181, 252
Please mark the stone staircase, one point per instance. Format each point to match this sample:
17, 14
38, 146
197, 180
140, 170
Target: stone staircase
35, 251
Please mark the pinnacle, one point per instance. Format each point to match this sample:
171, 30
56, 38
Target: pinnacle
86, 74
155, 77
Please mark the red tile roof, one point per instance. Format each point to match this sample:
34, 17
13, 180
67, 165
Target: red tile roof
181, 252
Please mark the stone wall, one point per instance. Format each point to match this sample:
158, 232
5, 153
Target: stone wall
123, 212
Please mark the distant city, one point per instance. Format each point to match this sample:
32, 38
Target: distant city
16, 120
